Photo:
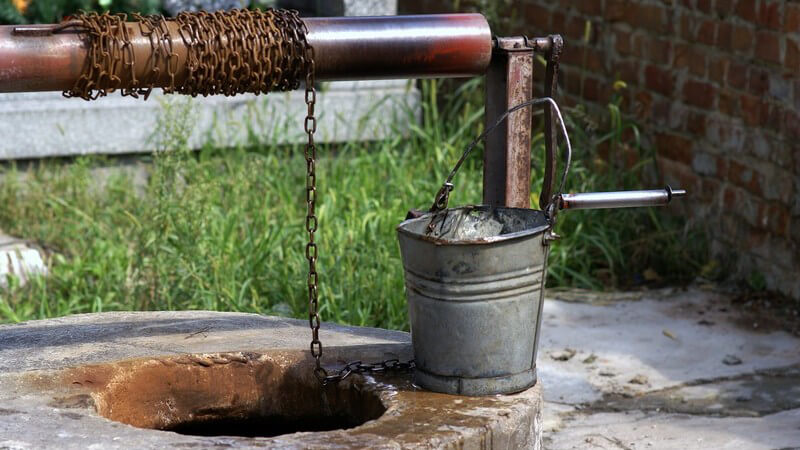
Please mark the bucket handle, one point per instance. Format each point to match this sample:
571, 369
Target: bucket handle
443, 196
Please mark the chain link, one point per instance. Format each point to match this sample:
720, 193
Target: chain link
390, 365
312, 250
227, 53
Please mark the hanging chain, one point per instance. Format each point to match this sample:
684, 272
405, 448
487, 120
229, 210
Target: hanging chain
312, 251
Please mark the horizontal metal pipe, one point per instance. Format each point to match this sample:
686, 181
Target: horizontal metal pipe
425, 46
346, 48
622, 199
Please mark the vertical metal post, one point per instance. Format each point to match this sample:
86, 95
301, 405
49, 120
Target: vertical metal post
507, 158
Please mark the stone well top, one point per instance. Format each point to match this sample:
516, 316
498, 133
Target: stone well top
62, 379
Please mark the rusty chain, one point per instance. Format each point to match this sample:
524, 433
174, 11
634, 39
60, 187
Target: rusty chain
228, 53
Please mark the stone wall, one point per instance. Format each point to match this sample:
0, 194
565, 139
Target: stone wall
715, 85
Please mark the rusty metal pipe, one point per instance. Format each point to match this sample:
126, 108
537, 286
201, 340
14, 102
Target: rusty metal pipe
346, 48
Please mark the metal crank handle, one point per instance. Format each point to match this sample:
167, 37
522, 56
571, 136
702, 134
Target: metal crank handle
621, 199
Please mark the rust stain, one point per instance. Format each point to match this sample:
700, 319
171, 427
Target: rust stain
262, 391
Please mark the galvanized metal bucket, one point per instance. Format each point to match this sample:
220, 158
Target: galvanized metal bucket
475, 286
475, 280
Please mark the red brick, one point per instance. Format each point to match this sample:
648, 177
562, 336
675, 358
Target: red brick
725, 36
792, 59
756, 238
758, 81
558, 21
647, 16
537, 17
791, 17
770, 116
659, 80
595, 60
730, 198
751, 109
797, 100
791, 123
696, 123
698, 93
697, 61
615, 10
724, 7
688, 25
677, 174
742, 38
655, 49
774, 217
574, 29
768, 47
717, 68
710, 189
622, 42
680, 57
593, 90
572, 80
705, 32
727, 103
746, 9
769, 14
662, 114
745, 176
643, 106
674, 147
574, 56
589, 7
628, 71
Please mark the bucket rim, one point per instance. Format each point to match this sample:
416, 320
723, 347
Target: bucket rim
401, 228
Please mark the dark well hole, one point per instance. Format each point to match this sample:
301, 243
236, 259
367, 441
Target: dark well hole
247, 395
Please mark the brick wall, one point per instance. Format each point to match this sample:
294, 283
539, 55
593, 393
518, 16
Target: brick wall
715, 85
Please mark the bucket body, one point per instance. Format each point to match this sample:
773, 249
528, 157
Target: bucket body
474, 284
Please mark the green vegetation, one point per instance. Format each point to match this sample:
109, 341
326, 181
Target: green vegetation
222, 229
52, 11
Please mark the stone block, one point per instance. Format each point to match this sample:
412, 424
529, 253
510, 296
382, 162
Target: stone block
20, 260
37, 125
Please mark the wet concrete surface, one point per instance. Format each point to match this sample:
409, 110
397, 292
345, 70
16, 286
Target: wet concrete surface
666, 369
166, 380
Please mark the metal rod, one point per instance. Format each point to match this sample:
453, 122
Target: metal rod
35, 58
622, 199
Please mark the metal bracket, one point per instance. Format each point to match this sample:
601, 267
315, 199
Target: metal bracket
509, 82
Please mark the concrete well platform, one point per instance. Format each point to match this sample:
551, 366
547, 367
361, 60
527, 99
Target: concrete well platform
117, 380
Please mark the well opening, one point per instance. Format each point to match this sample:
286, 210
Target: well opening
229, 395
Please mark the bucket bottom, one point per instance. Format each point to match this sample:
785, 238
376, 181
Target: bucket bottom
507, 384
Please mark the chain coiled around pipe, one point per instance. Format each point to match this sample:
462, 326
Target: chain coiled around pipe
228, 53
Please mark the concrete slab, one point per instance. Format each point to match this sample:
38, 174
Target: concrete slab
639, 430
667, 369
44, 124
669, 338
62, 379
20, 259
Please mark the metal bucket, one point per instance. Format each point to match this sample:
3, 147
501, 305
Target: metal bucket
475, 281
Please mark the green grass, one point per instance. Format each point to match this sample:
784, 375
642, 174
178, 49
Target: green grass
222, 229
